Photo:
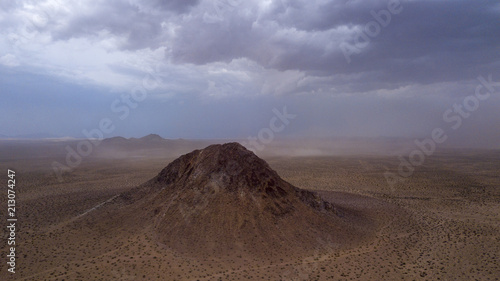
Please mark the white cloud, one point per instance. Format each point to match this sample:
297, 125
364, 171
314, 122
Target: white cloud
9, 60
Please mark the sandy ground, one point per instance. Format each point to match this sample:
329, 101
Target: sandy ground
441, 223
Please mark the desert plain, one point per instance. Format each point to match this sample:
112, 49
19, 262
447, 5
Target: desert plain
440, 223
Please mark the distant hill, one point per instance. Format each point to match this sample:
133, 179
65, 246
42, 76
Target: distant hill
151, 145
115, 140
152, 137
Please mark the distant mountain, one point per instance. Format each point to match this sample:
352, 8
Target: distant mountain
148, 138
151, 145
115, 140
152, 137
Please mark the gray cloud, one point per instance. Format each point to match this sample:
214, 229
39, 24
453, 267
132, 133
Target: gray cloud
429, 41
139, 23
180, 6
118, 18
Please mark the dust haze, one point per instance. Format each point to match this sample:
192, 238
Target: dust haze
137, 209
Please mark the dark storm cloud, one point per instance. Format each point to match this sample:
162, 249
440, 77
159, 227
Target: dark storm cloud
200, 42
428, 41
425, 42
314, 16
437, 41
180, 6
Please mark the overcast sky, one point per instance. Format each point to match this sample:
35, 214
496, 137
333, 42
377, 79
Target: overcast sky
218, 69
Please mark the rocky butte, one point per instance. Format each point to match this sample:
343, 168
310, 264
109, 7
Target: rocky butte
224, 200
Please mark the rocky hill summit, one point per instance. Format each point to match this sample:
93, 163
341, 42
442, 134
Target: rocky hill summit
231, 168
